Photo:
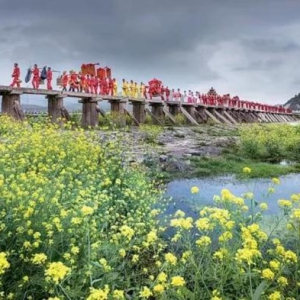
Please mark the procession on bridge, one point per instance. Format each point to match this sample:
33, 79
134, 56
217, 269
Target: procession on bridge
94, 84
99, 81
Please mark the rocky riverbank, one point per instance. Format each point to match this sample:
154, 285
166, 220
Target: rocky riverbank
170, 150
189, 152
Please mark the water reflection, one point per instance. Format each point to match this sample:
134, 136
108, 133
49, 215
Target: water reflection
179, 190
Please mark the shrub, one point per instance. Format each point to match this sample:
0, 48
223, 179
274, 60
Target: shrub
74, 214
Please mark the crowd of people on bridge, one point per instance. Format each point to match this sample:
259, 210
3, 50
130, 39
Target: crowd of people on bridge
99, 82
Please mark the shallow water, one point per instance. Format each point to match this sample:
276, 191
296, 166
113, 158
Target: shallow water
179, 190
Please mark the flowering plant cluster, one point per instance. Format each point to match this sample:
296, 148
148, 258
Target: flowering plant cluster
271, 142
78, 221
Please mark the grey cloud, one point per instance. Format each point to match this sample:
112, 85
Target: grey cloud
172, 39
271, 45
261, 65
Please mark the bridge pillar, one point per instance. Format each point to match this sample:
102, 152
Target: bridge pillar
202, 116
55, 107
118, 107
173, 108
89, 113
190, 108
138, 111
11, 105
157, 109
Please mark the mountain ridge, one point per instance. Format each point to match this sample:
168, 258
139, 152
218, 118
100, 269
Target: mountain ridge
293, 103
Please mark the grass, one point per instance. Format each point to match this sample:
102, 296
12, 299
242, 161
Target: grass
217, 130
230, 164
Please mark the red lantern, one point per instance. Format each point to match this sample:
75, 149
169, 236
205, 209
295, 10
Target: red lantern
108, 72
101, 73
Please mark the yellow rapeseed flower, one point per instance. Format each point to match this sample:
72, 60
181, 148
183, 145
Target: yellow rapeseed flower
194, 190
275, 296
177, 281
162, 277
226, 236
203, 224
87, 210
159, 288
296, 214
152, 236
204, 241
145, 292
263, 206
74, 250
276, 180
290, 257
127, 232
282, 281
4, 264
57, 271
246, 170
39, 258
122, 252
285, 203
171, 258
274, 264
98, 294
118, 295
135, 258
267, 274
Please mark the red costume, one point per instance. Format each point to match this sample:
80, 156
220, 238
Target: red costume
178, 95
110, 87
96, 85
49, 79
204, 99
16, 76
64, 81
154, 89
73, 82
167, 93
83, 83
36, 77
104, 87
90, 83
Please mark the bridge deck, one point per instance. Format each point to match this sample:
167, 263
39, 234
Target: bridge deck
82, 96
30, 91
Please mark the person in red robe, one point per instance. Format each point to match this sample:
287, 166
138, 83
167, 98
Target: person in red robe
92, 84
64, 81
16, 76
204, 99
110, 87
99, 85
104, 86
49, 79
88, 83
73, 81
95, 84
82, 82
167, 91
178, 95
162, 93
36, 77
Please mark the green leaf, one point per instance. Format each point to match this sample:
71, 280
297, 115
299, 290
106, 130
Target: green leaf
259, 290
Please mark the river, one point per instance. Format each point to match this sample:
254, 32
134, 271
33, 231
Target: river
180, 192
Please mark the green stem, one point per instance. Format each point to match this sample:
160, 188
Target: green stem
64, 291
250, 279
274, 228
89, 255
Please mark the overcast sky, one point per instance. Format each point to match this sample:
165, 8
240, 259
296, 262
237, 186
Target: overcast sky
249, 48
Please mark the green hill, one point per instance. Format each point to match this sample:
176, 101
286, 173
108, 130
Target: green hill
293, 103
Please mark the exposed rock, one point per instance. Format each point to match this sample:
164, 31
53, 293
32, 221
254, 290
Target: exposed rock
173, 149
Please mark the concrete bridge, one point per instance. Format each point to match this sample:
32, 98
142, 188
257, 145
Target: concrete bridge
160, 111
